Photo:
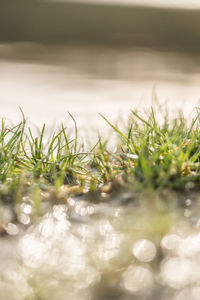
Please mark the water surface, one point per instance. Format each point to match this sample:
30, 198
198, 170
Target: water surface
47, 82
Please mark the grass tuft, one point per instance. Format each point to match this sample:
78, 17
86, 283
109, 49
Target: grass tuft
149, 155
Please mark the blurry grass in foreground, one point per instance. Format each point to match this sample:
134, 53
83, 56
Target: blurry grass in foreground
148, 155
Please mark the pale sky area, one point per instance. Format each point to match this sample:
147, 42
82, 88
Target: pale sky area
191, 4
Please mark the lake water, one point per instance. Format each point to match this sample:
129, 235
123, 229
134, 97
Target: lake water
47, 82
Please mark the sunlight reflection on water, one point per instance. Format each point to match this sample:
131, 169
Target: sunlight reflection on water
86, 81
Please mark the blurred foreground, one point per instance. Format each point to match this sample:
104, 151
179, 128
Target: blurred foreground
143, 249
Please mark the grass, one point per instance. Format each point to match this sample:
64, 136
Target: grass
148, 155
149, 158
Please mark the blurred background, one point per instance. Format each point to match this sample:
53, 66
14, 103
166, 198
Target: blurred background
97, 56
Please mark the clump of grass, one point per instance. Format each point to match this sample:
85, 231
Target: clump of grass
148, 155
160, 156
